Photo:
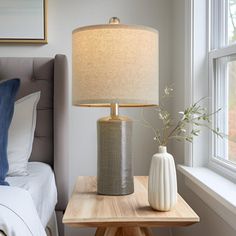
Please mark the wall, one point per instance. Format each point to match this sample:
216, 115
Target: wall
210, 222
63, 17
164, 15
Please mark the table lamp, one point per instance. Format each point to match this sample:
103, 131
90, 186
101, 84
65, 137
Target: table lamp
115, 65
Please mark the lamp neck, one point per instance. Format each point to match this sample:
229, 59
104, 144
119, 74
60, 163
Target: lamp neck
114, 110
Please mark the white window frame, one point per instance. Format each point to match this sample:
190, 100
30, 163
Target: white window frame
202, 174
218, 50
199, 82
196, 74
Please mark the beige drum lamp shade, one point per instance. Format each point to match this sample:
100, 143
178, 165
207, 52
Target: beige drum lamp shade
115, 63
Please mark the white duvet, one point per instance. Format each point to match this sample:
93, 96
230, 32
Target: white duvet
18, 215
41, 185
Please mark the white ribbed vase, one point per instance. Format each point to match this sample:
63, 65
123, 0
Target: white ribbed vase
162, 185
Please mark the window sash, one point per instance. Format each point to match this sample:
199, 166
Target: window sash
219, 52
219, 23
199, 57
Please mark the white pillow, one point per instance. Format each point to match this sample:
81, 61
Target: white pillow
21, 134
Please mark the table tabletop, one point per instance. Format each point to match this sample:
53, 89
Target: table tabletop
88, 209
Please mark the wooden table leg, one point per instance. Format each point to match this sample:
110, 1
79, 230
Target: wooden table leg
123, 231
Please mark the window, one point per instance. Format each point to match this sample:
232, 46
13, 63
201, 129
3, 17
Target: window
210, 58
222, 76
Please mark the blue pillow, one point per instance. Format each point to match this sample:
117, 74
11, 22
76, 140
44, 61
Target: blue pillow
8, 90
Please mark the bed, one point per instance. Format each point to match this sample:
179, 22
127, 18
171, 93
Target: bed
49, 157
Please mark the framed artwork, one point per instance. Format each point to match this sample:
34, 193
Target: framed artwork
23, 21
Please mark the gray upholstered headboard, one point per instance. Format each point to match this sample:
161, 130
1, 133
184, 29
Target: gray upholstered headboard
50, 76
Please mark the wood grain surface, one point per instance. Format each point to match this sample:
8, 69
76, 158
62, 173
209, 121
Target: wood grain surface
121, 231
87, 209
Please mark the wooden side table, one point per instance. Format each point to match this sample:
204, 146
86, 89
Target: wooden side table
122, 215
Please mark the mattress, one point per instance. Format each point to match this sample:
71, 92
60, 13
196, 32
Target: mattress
40, 183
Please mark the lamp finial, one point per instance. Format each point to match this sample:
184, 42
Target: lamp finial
114, 20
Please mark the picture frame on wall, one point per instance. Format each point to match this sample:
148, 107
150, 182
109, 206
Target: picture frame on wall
23, 21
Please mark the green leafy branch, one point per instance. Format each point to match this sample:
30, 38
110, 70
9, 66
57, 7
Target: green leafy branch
184, 129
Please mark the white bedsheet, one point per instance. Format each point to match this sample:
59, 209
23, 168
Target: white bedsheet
40, 183
18, 215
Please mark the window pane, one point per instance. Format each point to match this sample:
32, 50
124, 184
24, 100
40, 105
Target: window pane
232, 111
225, 97
221, 102
231, 21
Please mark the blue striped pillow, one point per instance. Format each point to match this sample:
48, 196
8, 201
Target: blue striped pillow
8, 90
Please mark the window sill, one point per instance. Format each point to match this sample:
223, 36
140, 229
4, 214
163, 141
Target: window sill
216, 191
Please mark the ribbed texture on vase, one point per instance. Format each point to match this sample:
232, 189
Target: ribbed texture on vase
162, 186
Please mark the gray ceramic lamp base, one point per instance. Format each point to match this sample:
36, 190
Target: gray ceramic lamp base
114, 167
